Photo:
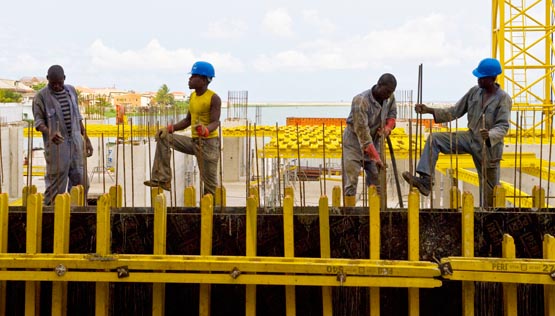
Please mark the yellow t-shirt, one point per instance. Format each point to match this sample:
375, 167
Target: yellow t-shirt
199, 108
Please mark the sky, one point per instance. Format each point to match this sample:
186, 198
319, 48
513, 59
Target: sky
278, 51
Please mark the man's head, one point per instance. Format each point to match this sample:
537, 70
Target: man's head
385, 87
56, 78
201, 75
487, 72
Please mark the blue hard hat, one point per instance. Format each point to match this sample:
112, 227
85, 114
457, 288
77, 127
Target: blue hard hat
203, 68
488, 67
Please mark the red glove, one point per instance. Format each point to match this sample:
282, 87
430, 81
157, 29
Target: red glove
389, 126
371, 151
170, 128
202, 131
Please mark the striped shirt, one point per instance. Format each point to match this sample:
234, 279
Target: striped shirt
63, 98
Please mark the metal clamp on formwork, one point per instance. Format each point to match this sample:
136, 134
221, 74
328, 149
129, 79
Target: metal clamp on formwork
445, 268
123, 272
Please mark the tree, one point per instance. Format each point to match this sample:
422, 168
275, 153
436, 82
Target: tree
163, 96
39, 86
7, 96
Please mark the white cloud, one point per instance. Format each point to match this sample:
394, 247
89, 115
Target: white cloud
417, 40
155, 57
323, 25
279, 22
226, 29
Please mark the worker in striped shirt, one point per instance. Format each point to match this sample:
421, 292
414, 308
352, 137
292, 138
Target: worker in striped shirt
57, 117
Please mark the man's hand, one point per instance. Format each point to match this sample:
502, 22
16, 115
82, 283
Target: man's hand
423, 109
389, 126
88, 146
485, 134
372, 153
163, 132
202, 131
57, 138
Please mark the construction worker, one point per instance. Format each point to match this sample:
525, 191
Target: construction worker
488, 108
373, 114
57, 117
204, 117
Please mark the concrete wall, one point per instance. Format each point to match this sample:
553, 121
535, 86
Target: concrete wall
11, 161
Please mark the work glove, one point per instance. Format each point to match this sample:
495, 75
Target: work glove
372, 153
88, 146
163, 132
202, 131
389, 126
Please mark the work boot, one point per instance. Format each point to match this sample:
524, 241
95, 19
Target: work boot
157, 184
423, 182
350, 200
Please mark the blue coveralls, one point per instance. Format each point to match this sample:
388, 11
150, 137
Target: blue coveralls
364, 120
63, 161
497, 112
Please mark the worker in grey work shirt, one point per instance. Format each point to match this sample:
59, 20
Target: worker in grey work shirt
373, 114
488, 108
57, 117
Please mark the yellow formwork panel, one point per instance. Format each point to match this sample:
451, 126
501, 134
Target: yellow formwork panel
525, 271
221, 264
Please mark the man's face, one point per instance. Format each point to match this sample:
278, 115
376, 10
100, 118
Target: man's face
56, 83
486, 82
383, 91
196, 81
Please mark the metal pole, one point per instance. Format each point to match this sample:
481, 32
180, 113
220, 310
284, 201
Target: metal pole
278, 164
257, 167
395, 172
299, 166
484, 167
132, 166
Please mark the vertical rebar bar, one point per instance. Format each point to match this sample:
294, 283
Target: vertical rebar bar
132, 165
278, 165
299, 166
257, 167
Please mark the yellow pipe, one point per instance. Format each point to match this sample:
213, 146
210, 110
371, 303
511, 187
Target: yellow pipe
549, 290
414, 247
251, 239
289, 249
206, 219
103, 243
509, 289
61, 246
375, 242
159, 248
467, 228
34, 221
3, 245
190, 196
324, 218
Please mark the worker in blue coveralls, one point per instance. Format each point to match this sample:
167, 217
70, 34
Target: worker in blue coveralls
488, 108
373, 114
57, 117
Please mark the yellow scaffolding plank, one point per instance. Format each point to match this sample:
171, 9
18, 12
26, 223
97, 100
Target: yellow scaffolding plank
513, 194
526, 271
207, 278
224, 264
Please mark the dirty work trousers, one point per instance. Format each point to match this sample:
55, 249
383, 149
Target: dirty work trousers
461, 143
353, 160
64, 163
206, 150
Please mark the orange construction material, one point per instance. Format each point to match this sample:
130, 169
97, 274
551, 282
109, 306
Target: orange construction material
318, 121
